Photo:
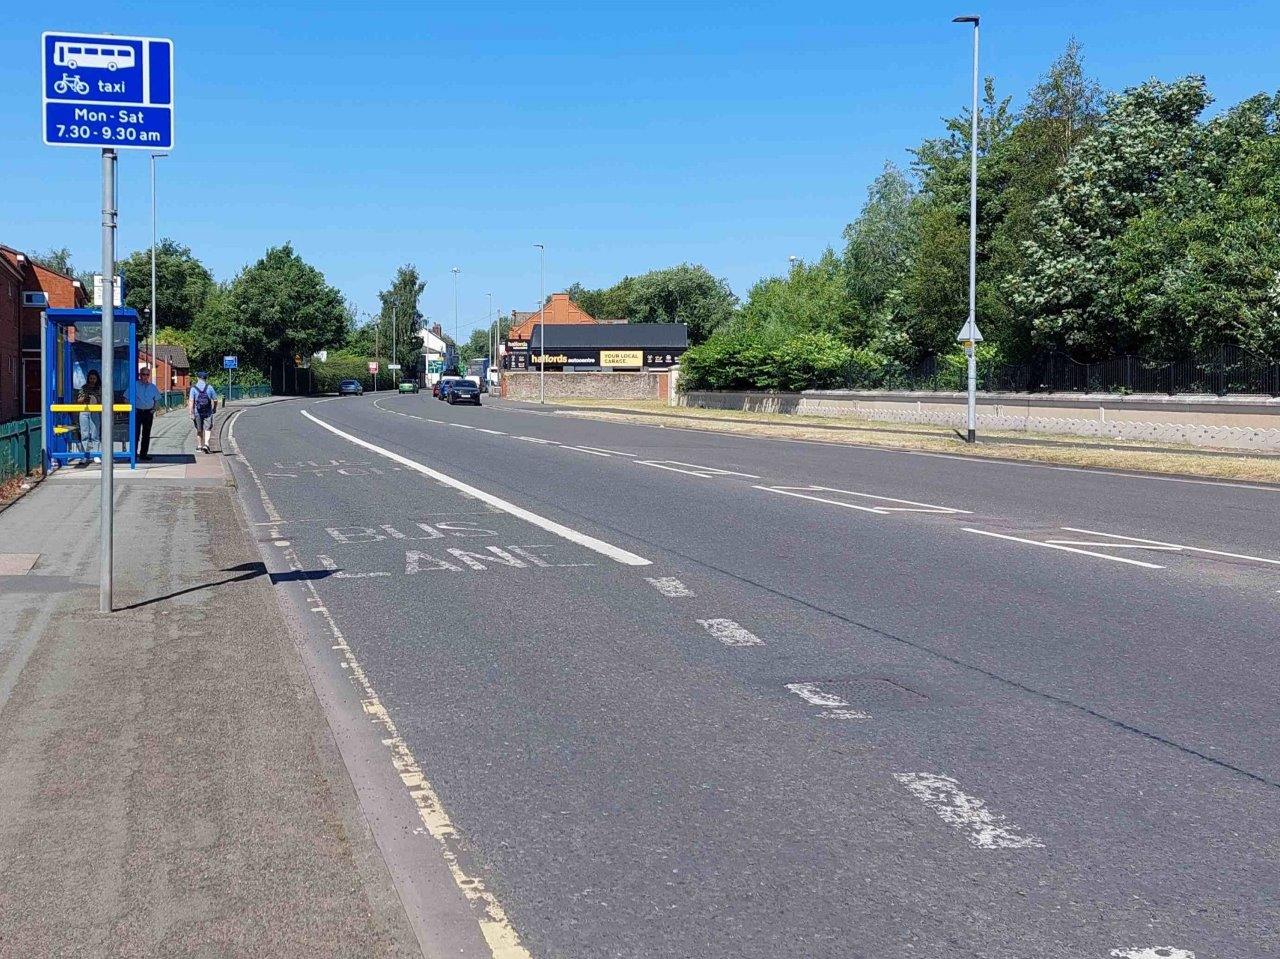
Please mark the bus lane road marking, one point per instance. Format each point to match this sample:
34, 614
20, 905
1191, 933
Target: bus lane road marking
615, 553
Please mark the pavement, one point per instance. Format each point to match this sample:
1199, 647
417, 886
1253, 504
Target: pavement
671, 693
171, 787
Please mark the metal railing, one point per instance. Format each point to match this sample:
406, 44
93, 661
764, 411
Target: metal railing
19, 447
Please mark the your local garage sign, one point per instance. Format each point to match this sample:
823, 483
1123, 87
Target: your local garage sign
102, 90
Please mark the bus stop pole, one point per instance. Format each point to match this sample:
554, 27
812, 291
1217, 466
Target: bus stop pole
106, 439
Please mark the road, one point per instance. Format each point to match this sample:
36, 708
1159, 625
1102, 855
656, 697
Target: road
667, 693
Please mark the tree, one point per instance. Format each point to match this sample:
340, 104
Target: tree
1064, 106
812, 298
1068, 288
685, 294
608, 303
183, 284
399, 317
277, 309
880, 243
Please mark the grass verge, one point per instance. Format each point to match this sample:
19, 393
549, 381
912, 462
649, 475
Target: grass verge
1022, 447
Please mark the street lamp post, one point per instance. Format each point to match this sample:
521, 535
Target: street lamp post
489, 339
457, 344
155, 366
970, 335
791, 260
542, 326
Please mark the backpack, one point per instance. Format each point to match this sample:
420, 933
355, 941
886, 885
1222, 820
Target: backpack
204, 402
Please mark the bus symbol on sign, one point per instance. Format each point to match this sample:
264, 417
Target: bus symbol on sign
107, 91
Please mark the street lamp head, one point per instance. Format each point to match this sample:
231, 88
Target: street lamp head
540, 246
972, 18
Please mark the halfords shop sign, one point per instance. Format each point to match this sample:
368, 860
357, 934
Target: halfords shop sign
617, 359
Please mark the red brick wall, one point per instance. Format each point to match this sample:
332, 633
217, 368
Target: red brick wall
10, 346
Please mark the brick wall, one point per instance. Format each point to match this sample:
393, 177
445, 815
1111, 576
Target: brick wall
10, 347
596, 386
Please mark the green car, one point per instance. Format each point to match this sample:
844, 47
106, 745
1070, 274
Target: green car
409, 386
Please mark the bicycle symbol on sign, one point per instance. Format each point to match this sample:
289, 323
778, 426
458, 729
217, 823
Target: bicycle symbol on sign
70, 81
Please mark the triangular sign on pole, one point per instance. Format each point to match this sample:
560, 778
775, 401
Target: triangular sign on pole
969, 331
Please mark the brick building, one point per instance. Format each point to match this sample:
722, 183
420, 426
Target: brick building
172, 369
559, 311
27, 289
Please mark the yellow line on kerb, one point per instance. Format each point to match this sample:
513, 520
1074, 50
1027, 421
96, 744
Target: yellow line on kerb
499, 934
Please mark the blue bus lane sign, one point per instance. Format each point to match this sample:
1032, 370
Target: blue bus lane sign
101, 90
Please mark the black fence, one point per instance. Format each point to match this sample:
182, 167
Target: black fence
1229, 369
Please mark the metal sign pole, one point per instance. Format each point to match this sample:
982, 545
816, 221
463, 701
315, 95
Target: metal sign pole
106, 439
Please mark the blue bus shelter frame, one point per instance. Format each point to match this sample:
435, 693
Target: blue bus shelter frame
56, 358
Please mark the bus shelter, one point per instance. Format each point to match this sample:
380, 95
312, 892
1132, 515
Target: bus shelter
71, 415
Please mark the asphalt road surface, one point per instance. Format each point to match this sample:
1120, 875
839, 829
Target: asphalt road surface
669, 693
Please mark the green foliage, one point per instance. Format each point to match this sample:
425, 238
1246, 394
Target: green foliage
775, 361
182, 283
399, 318
277, 309
608, 303
347, 366
686, 294
811, 298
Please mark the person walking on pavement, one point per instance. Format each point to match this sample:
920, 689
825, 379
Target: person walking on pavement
145, 396
202, 403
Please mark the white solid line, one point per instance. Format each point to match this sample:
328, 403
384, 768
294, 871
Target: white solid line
601, 449
1152, 952
481, 429
820, 499
730, 633
1159, 544
968, 814
462, 426
615, 553
706, 472
669, 586
1065, 549
583, 449
890, 499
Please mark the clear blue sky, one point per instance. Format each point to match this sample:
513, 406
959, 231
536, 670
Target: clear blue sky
624, 136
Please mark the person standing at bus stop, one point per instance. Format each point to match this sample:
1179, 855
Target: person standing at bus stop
145, 397
202, 403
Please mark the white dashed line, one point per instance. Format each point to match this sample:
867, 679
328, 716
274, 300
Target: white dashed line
539, 440
601, 449
615, 553
836, 707
968, 814
670, 586
1152, 952
730, 633
1065, 549
583, 449
462, 426
481, 429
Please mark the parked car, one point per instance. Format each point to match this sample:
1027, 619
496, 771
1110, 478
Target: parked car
435, 389
350, 388
408, 386
461, 391
443, 384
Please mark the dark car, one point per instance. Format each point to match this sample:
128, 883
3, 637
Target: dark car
461, 391
350, 388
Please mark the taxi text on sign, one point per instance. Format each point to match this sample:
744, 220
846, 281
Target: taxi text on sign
101, 90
